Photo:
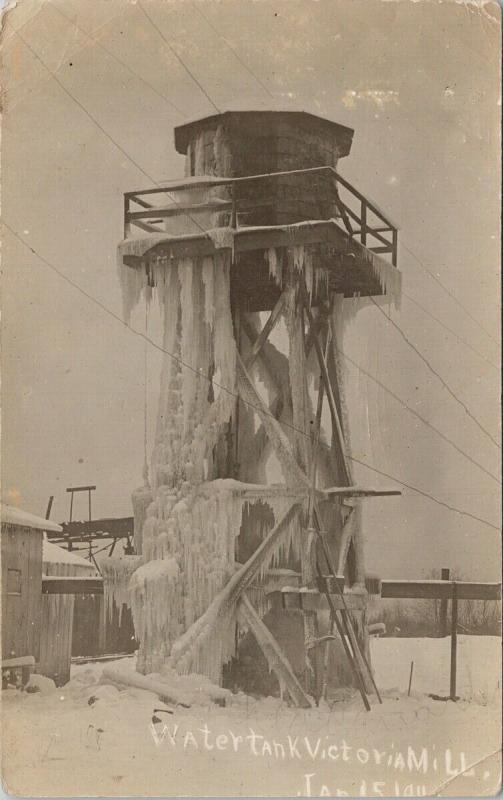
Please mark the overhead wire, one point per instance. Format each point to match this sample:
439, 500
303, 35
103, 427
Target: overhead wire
449, 330
436, 373
226, 389
116, 58
233, 51
417, 415
104, 131
446, 290
178, 57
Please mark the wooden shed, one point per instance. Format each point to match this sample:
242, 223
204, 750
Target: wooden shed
21, 549
58, 612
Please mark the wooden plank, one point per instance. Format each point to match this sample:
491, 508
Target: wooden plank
359, 491
275, 657
163, 212
21, 661
147, 228
71, 584
303, 599
440, 590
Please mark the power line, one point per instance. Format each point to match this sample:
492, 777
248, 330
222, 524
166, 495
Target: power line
419, 417
434, 372
84, 110
180, 361
456, 335
234, 52
178, 58
446, 290
6, 39
426, 494
123, 64
102, 129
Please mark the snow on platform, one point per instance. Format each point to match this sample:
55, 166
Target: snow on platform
90, 737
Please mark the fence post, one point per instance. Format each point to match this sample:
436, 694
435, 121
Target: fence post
445, 576
454, 639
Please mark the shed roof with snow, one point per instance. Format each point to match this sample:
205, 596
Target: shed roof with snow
15, 516
53, 554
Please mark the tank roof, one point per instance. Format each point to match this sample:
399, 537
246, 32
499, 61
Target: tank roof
345, 134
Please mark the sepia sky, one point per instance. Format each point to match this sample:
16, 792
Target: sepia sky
418, 82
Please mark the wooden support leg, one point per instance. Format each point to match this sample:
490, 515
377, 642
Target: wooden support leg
311, 628
276, 659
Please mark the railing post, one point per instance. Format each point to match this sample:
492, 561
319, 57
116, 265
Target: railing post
364, 223
234, 215
394, 252
445, 576
454, 639
127, 226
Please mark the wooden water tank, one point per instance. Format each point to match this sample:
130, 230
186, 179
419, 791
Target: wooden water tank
241, 143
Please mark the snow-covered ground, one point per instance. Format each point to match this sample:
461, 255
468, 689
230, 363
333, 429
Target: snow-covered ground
89, 738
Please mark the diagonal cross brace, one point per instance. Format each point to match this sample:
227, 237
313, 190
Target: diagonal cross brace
230, 595
275, 432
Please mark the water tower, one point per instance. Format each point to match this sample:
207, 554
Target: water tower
252, 503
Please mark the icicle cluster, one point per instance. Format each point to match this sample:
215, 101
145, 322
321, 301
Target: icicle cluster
116, 572
303, 259
185, 524
390, 279
157, 610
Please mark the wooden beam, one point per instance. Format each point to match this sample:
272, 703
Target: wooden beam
359, 491
304, 599
251, 491
266, 331
275, 657
336, 423
19, 661
163, 212
440, 590
71, 584
145, 227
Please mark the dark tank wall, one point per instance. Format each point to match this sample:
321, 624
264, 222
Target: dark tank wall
237, 144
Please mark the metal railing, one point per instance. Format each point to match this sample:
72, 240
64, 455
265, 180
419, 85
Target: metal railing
372, 228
